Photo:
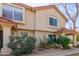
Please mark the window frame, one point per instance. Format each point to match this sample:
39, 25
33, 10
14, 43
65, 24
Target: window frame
52, 36
55, 19
16, 6
23, 34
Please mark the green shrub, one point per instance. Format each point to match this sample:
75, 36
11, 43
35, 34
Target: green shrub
21, 45
47, 43
64, 41
44, 43
57, 41
51, 41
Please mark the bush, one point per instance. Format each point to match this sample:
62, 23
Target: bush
57, 41
21, 45
64, 41
44, 43
47, 43
51, 41
54, 42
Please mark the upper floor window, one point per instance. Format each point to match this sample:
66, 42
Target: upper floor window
12, 13
52, 21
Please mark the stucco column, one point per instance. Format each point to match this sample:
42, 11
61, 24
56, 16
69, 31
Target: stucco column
6, 34
74, 41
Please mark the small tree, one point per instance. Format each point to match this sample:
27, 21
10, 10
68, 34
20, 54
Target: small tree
73, 18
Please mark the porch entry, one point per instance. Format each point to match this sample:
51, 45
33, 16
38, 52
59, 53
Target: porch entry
1, 39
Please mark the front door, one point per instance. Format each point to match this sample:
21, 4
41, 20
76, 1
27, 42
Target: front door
1, 39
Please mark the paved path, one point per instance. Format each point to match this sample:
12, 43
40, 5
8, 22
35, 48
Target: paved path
56, 52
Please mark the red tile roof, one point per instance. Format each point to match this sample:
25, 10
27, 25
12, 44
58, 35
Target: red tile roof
66, 31
7, 21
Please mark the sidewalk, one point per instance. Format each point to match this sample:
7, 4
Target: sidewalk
53, 52
56, 52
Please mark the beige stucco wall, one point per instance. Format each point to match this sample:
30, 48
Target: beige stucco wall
42, 19
29, 20
70, 36
28, 17
30, 33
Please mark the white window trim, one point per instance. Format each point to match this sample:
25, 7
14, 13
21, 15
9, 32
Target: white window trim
23, 20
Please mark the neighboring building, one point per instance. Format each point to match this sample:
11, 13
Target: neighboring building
20, 19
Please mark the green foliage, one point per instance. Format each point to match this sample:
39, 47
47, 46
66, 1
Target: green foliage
51, 41
48, 43
57, 41
77, 37
64, 41
21, 45
44, 43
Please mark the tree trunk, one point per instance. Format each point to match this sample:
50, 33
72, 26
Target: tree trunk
74, 36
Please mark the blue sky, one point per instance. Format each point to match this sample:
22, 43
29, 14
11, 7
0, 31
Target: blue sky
72, 11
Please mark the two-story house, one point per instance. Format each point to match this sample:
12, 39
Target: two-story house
20, 19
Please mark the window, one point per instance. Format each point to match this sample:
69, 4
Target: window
7, 12
52, 37
52, 21
18, 14
12, 13
24, 34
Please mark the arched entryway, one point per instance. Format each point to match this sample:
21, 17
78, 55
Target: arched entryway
1, 37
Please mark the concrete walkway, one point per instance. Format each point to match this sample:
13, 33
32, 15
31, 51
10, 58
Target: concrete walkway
56, 52
53, 52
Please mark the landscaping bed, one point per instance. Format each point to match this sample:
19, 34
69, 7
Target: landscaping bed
22, 46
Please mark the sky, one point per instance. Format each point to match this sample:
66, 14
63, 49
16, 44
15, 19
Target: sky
38, 4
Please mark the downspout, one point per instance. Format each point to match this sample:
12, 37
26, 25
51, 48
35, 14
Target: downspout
34, 21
